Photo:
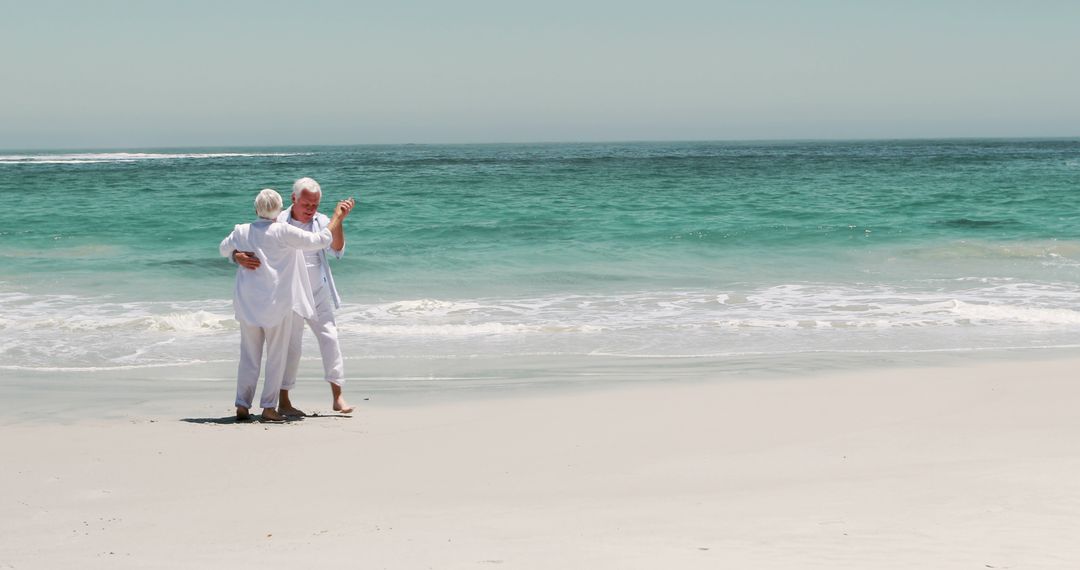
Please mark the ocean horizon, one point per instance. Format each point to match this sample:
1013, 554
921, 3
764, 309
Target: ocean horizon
181, 148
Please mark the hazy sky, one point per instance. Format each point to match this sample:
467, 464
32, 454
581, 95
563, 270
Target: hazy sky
123, 74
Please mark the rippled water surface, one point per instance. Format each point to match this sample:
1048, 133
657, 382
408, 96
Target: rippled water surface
646, 250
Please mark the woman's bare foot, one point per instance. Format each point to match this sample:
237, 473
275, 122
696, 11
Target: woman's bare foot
242, 414
271, 415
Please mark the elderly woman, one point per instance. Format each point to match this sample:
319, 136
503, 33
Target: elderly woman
265, 298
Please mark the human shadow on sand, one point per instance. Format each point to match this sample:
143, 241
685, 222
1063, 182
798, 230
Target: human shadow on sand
225, 420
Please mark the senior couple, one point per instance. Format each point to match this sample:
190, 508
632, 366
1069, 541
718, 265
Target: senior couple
283, 281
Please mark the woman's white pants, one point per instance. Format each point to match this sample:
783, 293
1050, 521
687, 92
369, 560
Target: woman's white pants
252, 341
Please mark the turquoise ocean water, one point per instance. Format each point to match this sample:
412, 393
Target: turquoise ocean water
706, 252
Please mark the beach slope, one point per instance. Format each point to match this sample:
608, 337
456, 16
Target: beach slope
974, 466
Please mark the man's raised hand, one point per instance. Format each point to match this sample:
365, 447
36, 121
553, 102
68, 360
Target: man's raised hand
344, 207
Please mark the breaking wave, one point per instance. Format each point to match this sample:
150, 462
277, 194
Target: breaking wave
71, 332
100, 157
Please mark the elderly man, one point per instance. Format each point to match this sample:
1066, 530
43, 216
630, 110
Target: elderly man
266, 299
303, 214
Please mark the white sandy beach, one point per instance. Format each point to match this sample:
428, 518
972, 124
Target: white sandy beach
974, 466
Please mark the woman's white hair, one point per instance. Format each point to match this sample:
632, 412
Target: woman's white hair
308, 184
268, 204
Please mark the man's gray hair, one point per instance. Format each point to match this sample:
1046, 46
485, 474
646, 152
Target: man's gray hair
268, 204
306, 184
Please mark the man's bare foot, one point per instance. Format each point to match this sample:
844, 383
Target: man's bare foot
291, 412
340, 405
242, 414
285, 406
271, 415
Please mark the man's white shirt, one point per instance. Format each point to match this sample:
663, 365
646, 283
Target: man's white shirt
318, 269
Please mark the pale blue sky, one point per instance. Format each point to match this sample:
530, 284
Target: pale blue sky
124, 74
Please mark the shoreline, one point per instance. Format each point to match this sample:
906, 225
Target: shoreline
160, 392
967, 466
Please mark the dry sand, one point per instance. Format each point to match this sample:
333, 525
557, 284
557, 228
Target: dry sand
961, 467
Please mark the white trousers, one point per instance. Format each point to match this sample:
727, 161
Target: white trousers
252, 340
325, 328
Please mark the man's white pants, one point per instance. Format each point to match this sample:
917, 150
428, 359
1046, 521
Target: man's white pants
252, 339
325, 328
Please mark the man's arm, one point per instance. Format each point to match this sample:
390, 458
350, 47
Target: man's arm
338, 233
245, 259
313, 241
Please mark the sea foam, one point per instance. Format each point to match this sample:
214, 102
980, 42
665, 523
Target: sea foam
93, 158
